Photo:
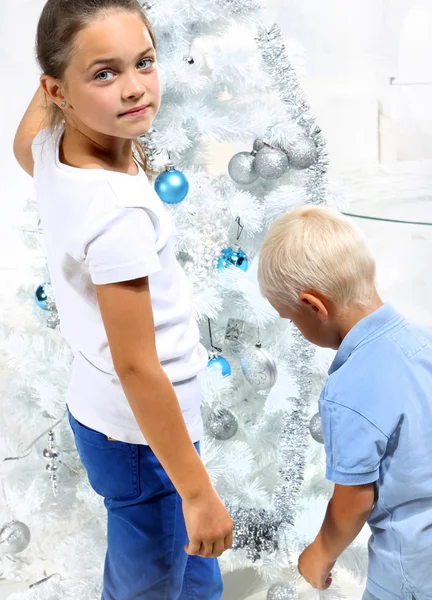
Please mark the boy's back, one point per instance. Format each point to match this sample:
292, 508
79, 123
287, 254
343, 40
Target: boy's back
376, 411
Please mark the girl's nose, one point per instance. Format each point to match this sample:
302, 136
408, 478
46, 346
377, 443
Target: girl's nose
133, 87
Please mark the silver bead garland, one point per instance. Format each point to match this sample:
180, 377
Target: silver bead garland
51, 455
53, 319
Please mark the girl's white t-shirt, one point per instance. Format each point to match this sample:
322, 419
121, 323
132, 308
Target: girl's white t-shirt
105, 227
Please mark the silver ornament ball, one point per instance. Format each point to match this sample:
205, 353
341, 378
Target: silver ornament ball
14, 537
240, 168
222, 424
302, 153
281, 591
315, 428
259, 368
270, 163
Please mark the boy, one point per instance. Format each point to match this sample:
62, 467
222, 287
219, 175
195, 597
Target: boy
317, 270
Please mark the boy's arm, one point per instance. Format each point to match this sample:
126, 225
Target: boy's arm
347, 512
34, 120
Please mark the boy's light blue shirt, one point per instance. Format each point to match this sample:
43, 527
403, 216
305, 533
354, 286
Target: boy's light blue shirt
376, 411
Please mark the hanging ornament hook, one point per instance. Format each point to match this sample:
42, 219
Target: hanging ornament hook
213, 347
216, 360
170, 165
240, 228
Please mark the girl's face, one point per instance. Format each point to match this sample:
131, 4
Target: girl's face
112, 81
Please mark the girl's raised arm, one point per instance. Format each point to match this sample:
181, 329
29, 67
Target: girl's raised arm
34, 120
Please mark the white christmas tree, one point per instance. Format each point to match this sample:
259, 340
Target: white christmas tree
227, 78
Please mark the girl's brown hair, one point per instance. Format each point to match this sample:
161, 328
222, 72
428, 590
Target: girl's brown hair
59, 24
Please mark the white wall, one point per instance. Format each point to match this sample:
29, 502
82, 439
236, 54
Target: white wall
18, 20
411, 104
353, 49
19, 81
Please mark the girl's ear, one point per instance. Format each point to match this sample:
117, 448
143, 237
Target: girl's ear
53, 90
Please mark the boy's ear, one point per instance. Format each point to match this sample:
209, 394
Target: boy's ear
316, 304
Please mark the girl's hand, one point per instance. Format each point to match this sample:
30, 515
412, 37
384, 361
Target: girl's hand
315, 567
208, 524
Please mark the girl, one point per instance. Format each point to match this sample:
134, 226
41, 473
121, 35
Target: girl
124, 301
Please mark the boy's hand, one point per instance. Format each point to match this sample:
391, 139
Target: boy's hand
315, 567
208, 524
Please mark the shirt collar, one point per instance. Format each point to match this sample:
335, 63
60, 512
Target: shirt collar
370, 327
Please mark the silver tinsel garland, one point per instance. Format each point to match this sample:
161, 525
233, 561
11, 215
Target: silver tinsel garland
258, 531
295, 431
277, 64
255, 531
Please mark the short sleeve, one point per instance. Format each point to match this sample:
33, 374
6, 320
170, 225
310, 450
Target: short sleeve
354, 446
124, 247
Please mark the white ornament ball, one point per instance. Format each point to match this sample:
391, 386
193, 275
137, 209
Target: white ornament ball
259, 368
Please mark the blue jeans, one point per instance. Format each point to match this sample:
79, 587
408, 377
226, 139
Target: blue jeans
145, 558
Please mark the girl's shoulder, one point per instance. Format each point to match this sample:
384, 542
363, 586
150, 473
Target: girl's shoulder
93, 192
48, 137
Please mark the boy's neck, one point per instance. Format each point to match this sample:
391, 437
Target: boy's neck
354, 314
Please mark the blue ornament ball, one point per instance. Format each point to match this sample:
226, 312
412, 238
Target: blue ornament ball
41, 297
233, 257
172, 186
221, 364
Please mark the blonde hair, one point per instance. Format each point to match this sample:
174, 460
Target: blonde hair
316, 249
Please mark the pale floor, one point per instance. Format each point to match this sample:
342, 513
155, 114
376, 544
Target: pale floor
404, 254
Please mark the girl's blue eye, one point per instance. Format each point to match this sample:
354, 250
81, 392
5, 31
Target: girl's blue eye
149, 62
104, 76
